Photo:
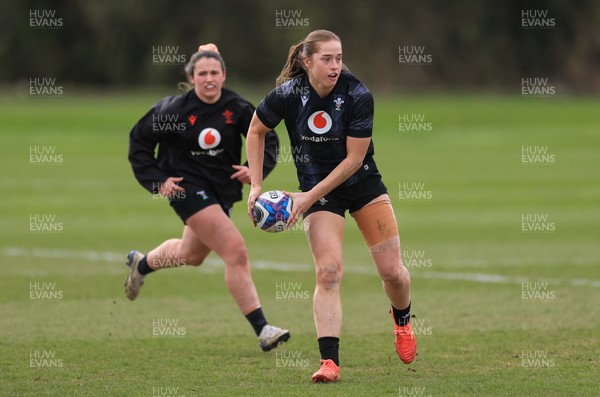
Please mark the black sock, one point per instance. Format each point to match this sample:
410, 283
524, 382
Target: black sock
401, 317
143, 267
329, 346
257, 320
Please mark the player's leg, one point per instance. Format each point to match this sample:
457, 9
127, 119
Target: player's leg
377, 223
325, 233
217, 232
188, 250
379, 228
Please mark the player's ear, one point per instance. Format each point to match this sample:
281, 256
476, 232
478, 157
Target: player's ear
307, 62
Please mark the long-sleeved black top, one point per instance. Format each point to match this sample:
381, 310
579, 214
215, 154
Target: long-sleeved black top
197, 141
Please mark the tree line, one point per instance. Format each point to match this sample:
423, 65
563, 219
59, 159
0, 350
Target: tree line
392, 45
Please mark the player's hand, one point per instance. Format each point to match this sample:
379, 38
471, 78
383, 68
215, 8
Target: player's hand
301, 202
208, 47
254, 193
169, 187
242, 174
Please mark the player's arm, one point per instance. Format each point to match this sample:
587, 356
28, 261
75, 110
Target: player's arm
268, 114
242, 172
270, 152
142, 145
356, 151
255, 150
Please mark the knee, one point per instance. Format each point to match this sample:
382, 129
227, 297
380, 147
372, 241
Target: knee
395, 274
193, 259
190, 256
329, 275
390, 274
237, 255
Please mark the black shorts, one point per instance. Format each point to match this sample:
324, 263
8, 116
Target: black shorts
194, 199
350, 198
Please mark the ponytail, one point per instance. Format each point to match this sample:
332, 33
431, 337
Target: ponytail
294, 65
305, 48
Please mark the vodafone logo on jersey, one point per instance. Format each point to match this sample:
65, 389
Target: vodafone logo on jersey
319, 122
209, 138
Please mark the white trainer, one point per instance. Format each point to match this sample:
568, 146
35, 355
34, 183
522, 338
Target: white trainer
135, 280
270, 337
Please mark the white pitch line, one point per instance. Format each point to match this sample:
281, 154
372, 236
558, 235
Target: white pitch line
118, 257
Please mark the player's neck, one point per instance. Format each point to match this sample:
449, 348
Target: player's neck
321, 90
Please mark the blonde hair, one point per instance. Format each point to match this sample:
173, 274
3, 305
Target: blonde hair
305, 48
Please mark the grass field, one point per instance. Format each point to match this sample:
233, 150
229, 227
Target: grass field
503, 256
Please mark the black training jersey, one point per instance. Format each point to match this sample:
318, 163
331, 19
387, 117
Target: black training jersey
197, 141
318, 127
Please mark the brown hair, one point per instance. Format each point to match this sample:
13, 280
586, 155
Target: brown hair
189, 68
185, 86
305, 48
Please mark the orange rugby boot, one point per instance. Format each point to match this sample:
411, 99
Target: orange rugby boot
406, 342
329, 372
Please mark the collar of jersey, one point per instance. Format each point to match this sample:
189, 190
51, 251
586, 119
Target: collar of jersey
313, 91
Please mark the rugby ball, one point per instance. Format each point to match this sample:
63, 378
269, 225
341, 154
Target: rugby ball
272, 210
